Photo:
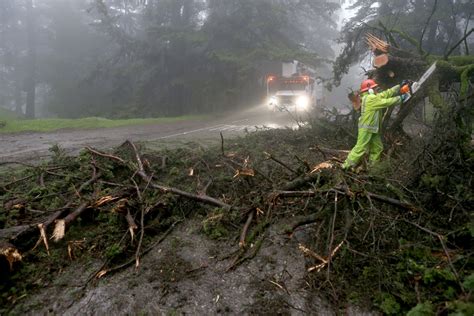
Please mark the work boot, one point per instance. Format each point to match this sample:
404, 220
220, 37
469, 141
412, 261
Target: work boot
346, 165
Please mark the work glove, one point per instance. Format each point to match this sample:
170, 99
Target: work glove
404, 97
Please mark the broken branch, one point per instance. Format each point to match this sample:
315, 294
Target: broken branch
271, 157
201, 198
243, 235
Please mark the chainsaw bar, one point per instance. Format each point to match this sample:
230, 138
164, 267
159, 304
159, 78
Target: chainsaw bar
417, 85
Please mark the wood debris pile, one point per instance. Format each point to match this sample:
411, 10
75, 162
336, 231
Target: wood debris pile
369, 228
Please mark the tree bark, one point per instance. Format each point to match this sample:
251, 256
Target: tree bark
18, 103
430, 42
31, 62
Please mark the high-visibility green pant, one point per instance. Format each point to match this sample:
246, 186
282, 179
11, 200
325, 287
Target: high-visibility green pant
366, 142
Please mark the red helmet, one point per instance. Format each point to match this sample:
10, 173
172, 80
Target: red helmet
368, 84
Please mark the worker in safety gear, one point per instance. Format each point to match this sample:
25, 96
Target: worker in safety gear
373, 102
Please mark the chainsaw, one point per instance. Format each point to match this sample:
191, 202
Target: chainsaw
413, 86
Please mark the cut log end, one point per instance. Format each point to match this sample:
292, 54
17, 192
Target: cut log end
9, 253
380, 60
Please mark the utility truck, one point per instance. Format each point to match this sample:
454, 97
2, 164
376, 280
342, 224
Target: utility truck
293, 90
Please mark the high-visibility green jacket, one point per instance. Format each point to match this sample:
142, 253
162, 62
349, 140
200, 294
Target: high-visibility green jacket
372, 108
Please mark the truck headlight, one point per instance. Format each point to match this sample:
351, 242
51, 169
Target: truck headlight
302, 103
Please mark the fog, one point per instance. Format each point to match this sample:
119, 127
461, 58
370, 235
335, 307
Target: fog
337, 97
194, 157
154, 58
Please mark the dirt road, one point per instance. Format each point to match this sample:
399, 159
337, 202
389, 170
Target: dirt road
33, 146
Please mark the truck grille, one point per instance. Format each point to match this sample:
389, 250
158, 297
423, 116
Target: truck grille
286, 100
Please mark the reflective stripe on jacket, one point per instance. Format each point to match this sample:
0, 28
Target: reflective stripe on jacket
373, 105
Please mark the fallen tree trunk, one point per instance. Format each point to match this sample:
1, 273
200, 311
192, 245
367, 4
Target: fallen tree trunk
392, 65
12, 233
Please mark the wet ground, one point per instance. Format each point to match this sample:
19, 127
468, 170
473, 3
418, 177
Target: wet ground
188, 272
187, 275
33, 146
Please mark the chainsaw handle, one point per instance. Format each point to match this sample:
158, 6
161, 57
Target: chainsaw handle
406, 86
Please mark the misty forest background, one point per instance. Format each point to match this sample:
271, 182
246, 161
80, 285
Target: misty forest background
136, 58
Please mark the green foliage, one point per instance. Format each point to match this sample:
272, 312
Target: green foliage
460, 61
58, 152
422, 309
469, 282
461, 308
213, 225
432, 182
388, 304
434, 275
47, 125
113, 251
465, 79
380, 168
